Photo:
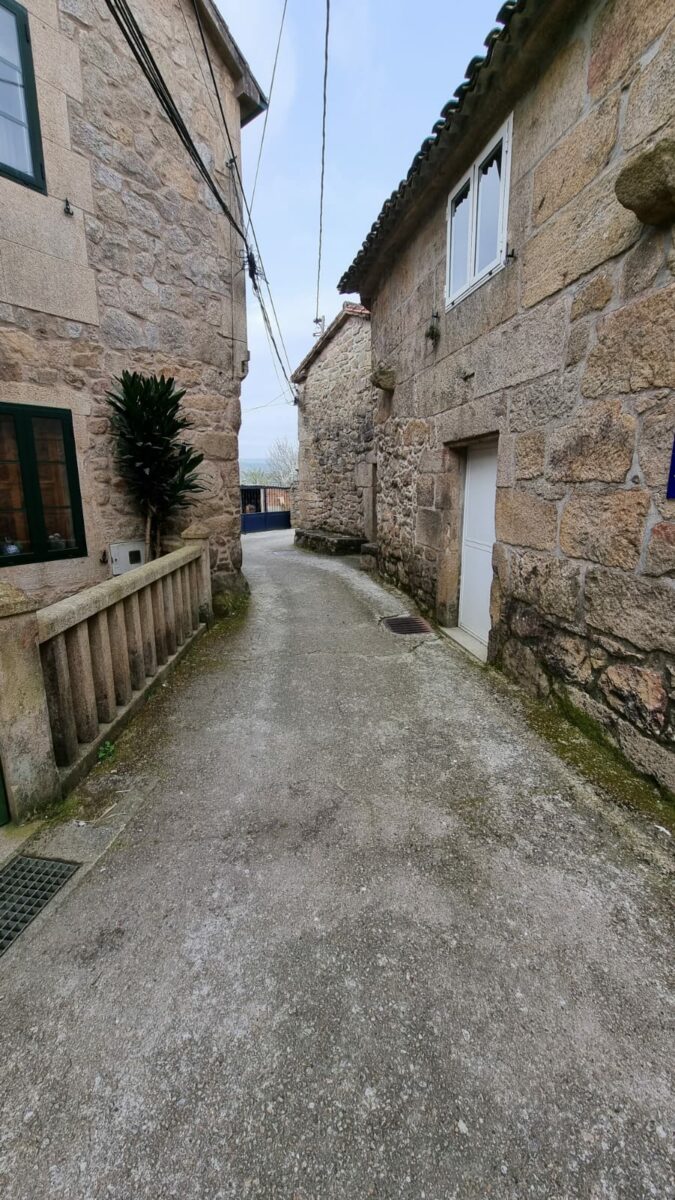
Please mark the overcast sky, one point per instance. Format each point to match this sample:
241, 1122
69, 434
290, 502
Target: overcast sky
393, 65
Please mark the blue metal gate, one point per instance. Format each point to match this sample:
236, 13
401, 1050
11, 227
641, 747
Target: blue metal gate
265, 508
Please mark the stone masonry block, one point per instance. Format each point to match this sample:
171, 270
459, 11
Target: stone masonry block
529, 454
637, 693
656, 443
622, 30
605, 529
428, 528
646, 185
550, 584
661, 549
577, 239
639, 610
523, 519
651, 99
596, 445
634, 347
647, 755
575, 161
550, 108
538, 402
592, 297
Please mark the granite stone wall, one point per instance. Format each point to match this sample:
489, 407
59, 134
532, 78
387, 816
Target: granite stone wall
568, 355
146, 275
336, 477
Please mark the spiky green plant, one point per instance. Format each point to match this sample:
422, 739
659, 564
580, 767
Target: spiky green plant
159, 467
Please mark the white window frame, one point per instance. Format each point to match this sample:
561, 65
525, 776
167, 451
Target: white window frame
475, 279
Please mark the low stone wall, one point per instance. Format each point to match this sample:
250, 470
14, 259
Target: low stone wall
75, 671
322, 541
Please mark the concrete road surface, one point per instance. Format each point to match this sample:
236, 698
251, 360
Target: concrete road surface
367, 936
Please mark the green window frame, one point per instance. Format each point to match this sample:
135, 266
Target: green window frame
25, 470
9, 79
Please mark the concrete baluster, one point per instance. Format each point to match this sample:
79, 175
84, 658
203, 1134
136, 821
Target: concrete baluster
132, 621
199, 533
170, 612
187, 600
193, 572
178, 607
148, 632
102, 667
60, 700
82, 682
120, 653
159, 621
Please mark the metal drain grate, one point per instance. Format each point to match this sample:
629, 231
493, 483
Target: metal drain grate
26, 886
407, 624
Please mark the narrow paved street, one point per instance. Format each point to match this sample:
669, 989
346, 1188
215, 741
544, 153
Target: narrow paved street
366, 936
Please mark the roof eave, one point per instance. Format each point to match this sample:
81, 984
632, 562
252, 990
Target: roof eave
345, 314
516, 55
252, 99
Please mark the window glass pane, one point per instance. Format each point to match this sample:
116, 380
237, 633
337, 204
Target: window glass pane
54, 485
489, 193
60, 531
14, 533
460, 220
54, 489
15, 148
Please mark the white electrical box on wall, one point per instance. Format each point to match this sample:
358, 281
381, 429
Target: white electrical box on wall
126, 556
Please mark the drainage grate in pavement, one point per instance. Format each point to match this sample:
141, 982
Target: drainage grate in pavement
26, 886
407, 624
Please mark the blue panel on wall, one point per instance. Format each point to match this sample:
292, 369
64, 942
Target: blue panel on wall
671, 478
263, 522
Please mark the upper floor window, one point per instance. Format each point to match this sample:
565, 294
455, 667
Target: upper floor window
40, 506
20, 141
477, 212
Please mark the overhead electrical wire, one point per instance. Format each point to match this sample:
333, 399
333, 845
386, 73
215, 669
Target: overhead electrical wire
267, 110
323, 157
143, 55
141, 51
253, 273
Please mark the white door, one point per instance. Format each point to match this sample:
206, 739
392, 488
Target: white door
477, 540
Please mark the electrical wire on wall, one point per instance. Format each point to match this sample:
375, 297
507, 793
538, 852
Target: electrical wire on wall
140, 49
256, 270
319, 320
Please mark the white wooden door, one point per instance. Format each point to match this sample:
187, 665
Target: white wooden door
477, 540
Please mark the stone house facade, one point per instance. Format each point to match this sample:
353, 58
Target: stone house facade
336, 461
523, 325
114, 255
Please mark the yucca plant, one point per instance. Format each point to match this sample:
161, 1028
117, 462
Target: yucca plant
159, 467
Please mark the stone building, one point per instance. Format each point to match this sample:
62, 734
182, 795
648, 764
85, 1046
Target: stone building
520, 281
114, 254
336, 463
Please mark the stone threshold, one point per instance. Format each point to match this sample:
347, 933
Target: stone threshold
467, 641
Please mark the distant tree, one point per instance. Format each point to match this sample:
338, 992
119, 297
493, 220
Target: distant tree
282, 463
158, 465
255, 476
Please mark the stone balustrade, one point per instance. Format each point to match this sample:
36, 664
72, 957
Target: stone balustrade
73, 672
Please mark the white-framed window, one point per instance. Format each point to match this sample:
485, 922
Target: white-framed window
477, 216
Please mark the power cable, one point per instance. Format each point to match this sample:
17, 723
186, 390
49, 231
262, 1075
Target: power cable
323, 157
267, 112
141, 51
253, 272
